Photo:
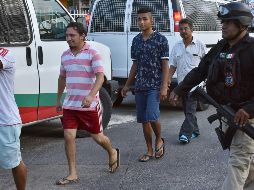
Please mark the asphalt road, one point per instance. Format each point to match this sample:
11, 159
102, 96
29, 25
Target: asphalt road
199, 165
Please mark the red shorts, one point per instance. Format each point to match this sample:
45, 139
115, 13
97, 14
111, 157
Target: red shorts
90, 121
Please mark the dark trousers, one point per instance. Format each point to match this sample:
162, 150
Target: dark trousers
190, 123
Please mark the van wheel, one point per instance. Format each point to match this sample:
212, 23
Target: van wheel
201, 106
106, 105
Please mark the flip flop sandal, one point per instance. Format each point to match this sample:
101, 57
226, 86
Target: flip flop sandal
65, 181
145, 158
117, 162
162, 148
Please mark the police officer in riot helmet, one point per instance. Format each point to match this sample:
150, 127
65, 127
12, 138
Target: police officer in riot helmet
229, 70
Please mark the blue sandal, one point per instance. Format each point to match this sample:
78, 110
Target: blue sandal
194, 135
184, 139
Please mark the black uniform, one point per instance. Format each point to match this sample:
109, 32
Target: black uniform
229, 73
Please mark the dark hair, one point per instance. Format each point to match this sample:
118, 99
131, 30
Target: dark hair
78, 27
144, 10
186, 21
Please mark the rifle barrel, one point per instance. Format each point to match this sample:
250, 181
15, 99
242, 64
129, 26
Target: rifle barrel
202, 93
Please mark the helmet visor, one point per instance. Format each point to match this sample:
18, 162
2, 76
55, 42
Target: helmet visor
223, 10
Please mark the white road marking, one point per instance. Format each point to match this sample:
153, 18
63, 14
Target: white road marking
119, 119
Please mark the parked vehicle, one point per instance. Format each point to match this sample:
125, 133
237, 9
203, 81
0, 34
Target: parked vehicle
114, 23
35, 31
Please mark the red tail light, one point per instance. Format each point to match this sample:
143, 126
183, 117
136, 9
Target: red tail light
177, 17
87, 19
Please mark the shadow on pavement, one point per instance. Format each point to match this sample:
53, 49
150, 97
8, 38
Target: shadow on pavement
48, 129
52, 129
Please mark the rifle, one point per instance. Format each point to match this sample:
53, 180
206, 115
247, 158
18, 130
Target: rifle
224, 114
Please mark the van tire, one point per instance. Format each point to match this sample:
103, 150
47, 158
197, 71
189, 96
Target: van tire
106, 105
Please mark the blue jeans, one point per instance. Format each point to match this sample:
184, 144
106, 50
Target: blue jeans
190, 122
147, 105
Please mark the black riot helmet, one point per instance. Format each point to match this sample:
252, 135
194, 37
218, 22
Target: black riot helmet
236, 11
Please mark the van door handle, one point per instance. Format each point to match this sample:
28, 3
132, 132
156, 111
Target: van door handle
40, 55
28, 56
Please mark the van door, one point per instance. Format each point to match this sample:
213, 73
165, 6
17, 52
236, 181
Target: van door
108, 26
17, 35
51, 21
162, 12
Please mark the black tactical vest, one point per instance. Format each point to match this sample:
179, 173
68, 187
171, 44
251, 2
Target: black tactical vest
224, 82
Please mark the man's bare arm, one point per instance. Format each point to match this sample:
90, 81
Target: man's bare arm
98, 84
172, 71
60, 90
132, 74
61, 87
87, 101
165, 73
130, 79
165, 79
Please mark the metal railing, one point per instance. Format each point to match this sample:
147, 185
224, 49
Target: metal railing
78, 13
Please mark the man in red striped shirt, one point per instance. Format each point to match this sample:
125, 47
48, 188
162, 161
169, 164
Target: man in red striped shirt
81, 73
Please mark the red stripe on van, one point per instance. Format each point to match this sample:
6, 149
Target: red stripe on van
47, 112
29, 114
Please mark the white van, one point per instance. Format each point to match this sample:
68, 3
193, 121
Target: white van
35, 32
114, 23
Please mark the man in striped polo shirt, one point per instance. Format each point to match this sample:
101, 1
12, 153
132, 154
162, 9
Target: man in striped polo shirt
82, 74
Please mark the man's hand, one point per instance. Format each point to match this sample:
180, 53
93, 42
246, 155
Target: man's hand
173, 98
241, 117
124, 91
59, 106
163, 93
87, 101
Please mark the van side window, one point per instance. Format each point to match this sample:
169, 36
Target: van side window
109, 16
52, 19
14, 23
160, 11
203, 15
